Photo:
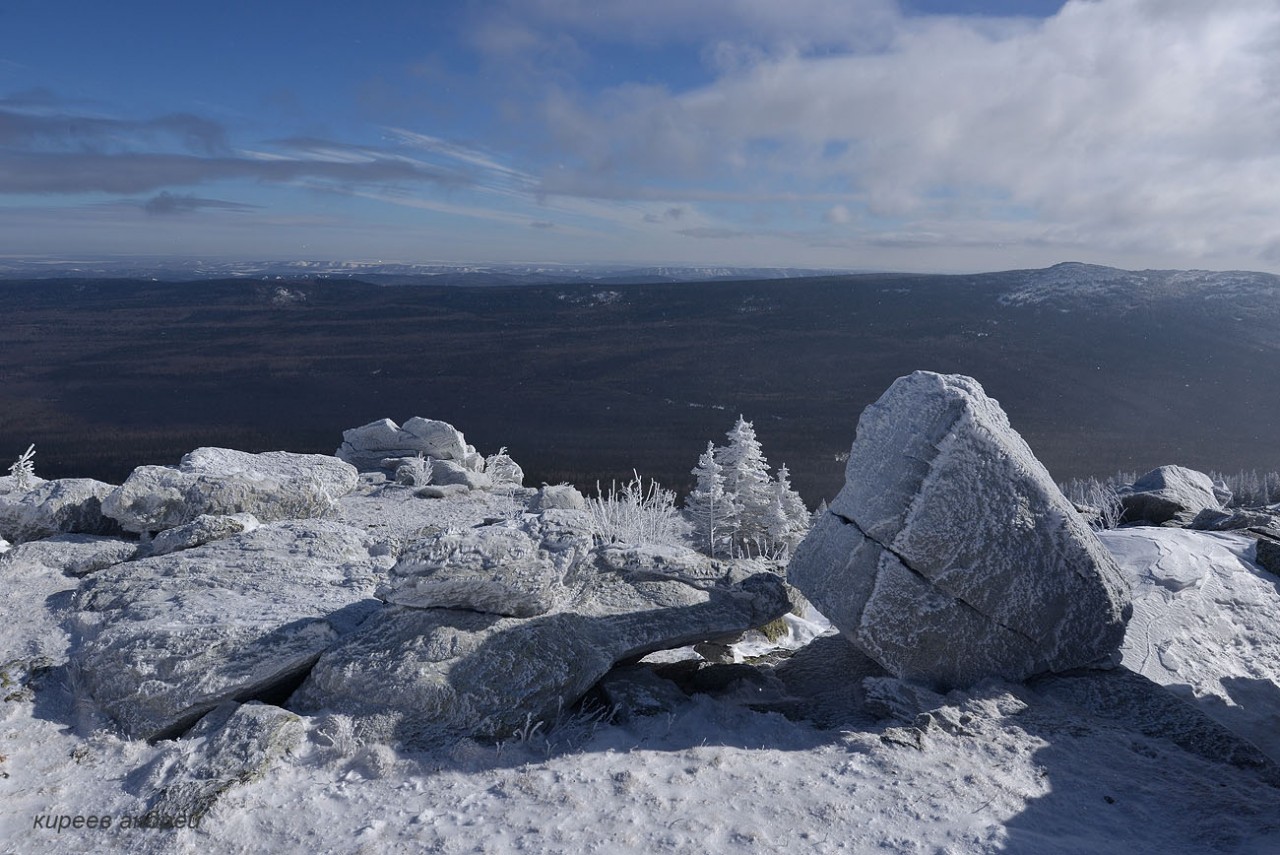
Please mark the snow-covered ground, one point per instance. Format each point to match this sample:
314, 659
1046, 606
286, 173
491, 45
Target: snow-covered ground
1000, 768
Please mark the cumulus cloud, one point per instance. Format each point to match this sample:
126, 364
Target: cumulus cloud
1143, 125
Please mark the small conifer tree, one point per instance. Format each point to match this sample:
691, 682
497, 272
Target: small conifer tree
713, 512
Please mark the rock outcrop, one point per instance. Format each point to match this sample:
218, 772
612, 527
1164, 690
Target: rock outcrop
366, 447
273, 485
419, 676
64, 506
950, 555
1168, 493
163, 640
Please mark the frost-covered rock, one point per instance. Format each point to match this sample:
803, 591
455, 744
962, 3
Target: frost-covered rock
1168, 492
446, 473
493, 569
64, 506
164, 640
950, 555
73, 554
203, 529
1215, 520
417, 676
232, 745
504, 471
558, 497
367, 446
273, 485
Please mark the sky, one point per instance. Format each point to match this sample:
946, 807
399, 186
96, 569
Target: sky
920, 135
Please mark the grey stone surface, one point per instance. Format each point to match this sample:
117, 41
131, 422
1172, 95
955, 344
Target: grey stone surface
232, 745
558, 497
64, 506
421, 676
1267, 552
494, 569
73, 554
632, 691
950, 555
1165, 493
1215, 520
161, 641
365, 447
447, 473
203, 529
273, 485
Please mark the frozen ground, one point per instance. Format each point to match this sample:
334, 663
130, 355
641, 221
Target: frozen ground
1001, 768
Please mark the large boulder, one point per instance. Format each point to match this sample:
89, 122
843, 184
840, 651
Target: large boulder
366, 447
64, 506
1167, 493
273, 485
163, 640
950, 555
420, 676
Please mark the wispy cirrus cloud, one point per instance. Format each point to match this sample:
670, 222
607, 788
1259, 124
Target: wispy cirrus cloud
45, 149
169, 204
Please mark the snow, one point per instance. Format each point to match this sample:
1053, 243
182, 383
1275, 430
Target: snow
997, 768
1206, 624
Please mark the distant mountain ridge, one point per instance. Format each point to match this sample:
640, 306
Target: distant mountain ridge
1075, 281
383, 273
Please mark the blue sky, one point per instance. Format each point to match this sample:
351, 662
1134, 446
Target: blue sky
916, 135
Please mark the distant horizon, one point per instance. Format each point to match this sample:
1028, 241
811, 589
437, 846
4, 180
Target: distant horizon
156, 262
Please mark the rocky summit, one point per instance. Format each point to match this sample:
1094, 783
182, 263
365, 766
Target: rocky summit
950, 555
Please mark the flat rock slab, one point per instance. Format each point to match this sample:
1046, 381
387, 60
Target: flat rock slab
419, 677
950, 555
73, 554
163, 640
273, 485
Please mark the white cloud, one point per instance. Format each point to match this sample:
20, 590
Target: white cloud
1131, 126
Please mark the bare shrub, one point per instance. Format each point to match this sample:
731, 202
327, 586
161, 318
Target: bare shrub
636, 514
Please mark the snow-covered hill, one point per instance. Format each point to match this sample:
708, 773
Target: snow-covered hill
1076, 283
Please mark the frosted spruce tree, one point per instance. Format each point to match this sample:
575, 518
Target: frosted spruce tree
746, 479
712, 511
737, 508
787, 520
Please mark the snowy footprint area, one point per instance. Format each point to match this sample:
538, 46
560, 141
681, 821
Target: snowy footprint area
999, 768
1206, 625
